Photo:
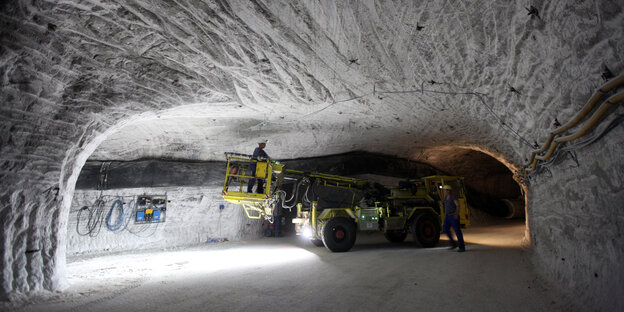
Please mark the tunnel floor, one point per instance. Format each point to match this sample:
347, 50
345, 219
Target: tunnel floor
285, 273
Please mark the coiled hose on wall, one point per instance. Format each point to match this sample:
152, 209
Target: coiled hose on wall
114, 222
120, 220
94, 221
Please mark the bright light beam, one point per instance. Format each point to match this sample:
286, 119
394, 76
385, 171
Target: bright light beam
183, 262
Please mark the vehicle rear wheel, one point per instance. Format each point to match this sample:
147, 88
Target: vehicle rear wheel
395, 236
317, 242
426, 230
339, 234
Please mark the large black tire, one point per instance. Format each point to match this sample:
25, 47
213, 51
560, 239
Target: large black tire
395, 236
339, 234
426, 230
317, 242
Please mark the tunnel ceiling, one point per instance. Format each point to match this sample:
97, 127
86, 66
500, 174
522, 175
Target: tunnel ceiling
313, 77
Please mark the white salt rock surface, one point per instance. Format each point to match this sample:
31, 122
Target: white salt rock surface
126, 80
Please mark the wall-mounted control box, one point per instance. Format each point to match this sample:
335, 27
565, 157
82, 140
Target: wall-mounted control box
150, 208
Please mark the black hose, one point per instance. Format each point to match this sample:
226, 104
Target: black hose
94, 221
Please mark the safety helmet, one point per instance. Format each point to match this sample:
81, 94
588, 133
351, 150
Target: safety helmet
262, 142
447, 187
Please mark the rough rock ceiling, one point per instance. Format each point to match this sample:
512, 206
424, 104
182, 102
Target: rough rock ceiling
322, 77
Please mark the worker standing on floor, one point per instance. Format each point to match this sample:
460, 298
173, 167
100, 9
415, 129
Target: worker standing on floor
451, 219
258, 154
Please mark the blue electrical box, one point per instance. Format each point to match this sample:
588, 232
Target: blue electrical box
140, 216
156, 215
150, 208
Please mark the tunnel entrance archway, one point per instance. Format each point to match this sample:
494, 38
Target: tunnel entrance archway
489, 180
451, 160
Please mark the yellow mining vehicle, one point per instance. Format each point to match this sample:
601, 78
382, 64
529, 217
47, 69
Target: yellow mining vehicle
350, 204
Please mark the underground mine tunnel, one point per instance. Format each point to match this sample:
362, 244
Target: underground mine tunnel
117, 115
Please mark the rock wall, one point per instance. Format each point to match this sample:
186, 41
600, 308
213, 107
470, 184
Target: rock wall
576, 221
193, 213
193, 217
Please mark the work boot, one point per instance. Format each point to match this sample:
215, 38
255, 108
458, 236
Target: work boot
461, 249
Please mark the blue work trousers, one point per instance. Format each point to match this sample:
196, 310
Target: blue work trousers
252, 182
450, 221
259, 189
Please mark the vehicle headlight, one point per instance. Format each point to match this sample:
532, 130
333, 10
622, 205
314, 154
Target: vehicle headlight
307, 232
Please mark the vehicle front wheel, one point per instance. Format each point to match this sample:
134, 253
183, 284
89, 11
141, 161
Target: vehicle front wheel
339, 234
426, 230
395, 236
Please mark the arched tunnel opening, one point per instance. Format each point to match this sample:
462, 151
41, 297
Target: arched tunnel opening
106, 245
490, 183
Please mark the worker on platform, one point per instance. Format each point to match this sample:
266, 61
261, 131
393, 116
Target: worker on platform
451, 219
258, 154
